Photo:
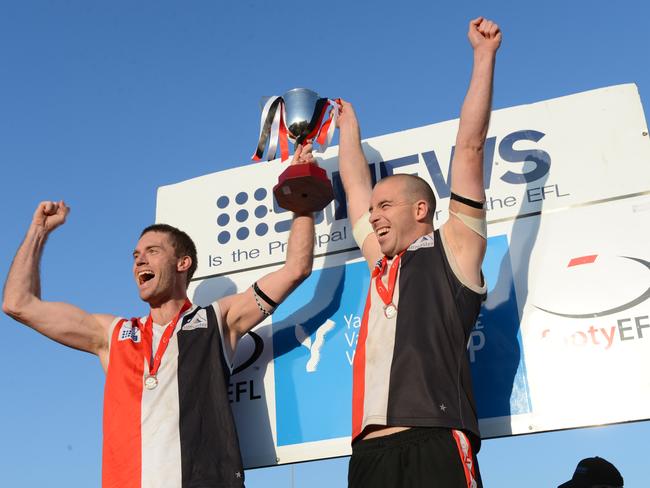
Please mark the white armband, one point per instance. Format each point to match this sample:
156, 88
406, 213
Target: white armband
362, 229
478, 225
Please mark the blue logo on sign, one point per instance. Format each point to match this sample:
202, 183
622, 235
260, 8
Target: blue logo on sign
244, 222
313, 346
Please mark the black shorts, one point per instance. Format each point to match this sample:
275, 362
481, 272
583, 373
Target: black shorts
415, 458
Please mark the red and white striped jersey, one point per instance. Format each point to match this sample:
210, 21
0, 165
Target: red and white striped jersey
180, 433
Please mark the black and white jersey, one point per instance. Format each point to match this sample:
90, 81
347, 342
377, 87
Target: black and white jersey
412, 369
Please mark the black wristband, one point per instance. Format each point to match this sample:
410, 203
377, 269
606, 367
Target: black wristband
264, 296
466, 201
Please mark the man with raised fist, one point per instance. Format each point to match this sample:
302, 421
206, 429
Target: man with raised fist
414, 416
167, 418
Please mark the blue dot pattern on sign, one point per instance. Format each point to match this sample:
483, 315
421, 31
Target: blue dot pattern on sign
223, 237
282, 226
261, 211
223, 219
242, 215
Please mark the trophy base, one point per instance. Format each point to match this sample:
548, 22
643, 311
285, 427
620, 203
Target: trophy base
303, 188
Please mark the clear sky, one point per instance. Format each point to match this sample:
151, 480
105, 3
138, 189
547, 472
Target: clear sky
103, 102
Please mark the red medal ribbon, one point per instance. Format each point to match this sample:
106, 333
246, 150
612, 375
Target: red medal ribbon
386, 294
147, 339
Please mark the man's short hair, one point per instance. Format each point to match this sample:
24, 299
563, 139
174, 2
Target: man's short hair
415, 188
181, 242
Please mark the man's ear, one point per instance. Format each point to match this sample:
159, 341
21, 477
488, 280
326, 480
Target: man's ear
183, 264
421, 210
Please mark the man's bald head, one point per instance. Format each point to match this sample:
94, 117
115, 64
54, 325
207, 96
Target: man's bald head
415, 188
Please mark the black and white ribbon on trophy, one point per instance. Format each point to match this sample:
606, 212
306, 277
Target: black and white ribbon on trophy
274, 130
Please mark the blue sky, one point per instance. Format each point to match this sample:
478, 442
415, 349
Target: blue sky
103, 102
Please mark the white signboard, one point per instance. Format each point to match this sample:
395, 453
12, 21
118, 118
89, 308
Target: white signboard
563, 339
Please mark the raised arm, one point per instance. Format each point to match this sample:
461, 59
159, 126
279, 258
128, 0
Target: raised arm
243, 311
357, 183
62, 322
467, 245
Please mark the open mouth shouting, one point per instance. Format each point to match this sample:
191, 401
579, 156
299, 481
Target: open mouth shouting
382, 232
144, 276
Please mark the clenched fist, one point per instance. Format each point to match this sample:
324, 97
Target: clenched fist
484, 35
50, 215
346, 116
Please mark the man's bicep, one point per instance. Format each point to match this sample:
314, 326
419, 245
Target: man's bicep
465, 234
243, 311
467, 174
68, 325
371, 250
358, 201
366, 239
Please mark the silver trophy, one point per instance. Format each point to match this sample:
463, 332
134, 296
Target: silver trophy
304, 109
297, 116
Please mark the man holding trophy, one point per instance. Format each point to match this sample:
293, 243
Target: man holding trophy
414, 417
167, 418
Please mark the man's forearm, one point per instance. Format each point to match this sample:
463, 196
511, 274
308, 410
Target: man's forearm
353, 166
300, 248
475, 113
23, 281
467, 166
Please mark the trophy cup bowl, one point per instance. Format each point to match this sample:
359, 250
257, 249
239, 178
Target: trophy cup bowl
300, 109
303, 188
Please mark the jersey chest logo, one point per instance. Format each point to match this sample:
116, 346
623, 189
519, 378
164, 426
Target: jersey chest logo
199, 321
129, 332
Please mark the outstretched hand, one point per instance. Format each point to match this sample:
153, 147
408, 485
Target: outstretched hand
50, 215
484, 35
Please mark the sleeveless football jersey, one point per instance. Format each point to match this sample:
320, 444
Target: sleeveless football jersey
411, 369
180, 433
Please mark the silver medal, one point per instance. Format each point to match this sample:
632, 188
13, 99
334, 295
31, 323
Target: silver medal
390, 310
150, 382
